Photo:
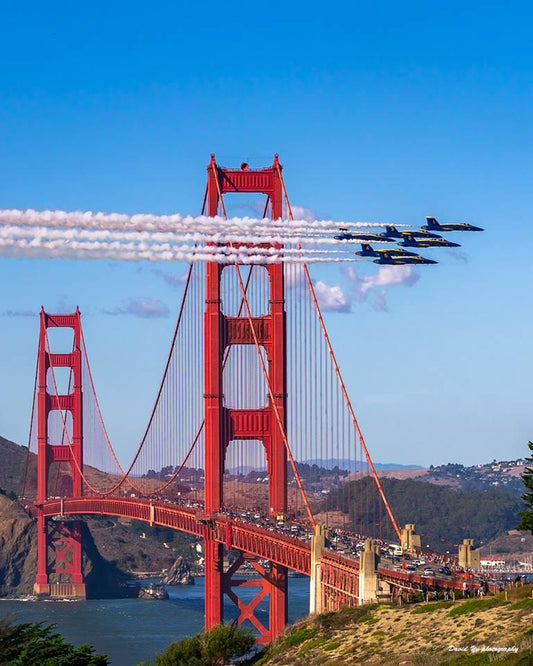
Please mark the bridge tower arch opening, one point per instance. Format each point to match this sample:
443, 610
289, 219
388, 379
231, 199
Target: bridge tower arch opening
224, 424
59, 460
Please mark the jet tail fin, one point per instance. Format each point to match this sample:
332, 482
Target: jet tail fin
432, 222
389, 229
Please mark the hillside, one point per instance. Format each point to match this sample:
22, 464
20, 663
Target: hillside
129, 545
18, 557
414, 634
442, 515
13, 466
504, 475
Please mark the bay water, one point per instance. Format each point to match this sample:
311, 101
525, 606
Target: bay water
129, 631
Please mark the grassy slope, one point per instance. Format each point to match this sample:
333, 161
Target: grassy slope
415, 634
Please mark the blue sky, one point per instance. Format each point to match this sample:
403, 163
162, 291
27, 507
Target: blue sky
385, 112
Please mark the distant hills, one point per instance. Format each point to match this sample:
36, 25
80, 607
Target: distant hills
443, 516
358, 466
345, 464
447, 502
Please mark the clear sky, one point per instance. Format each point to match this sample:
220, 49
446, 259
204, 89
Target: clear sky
379, 111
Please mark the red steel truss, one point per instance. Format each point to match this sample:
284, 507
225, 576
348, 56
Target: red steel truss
59, 546
222, 425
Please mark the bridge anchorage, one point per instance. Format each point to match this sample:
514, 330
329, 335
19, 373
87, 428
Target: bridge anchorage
252, 444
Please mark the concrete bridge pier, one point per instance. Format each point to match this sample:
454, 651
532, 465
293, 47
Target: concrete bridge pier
318, 543
468, 557
409, 539
369, 585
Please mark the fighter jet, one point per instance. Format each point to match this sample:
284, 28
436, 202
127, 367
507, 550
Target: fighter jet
433, 225
410, 241
386, 258
394, 233
348, 235
368, 251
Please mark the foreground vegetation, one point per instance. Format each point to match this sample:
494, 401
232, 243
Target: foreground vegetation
221, 645
497, 629
37, 645
477, 631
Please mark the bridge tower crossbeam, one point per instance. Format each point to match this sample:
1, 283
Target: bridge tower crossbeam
222, 424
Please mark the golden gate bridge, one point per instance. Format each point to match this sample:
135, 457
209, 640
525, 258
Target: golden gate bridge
251, 407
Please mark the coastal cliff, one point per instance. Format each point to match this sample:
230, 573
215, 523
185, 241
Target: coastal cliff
18, 549
18, 558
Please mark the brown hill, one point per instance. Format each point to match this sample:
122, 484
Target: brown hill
13, 466
18, 549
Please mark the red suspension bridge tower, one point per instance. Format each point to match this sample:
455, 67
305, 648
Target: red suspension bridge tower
59, 543
223, 425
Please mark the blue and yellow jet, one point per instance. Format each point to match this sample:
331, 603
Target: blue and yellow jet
386, 258
411, 241
433, 225
349, 235
368, 251
394, 233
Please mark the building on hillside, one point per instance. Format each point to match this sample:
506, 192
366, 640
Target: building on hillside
492, 562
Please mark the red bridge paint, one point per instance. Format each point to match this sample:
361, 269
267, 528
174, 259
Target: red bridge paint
223, 424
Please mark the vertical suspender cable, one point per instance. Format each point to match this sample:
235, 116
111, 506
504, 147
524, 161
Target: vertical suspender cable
339, 377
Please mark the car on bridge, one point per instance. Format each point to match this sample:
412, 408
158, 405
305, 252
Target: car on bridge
428, 571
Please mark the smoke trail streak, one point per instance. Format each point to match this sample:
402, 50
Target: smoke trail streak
123, 252
147, 222
14, 231
144, 239
171, 238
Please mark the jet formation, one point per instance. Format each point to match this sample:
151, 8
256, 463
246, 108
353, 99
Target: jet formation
425, 238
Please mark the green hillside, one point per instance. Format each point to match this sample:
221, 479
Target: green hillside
443, 515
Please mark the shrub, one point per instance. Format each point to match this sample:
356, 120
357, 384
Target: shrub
216, 647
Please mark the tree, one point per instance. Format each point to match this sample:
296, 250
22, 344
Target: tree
526, 517
216, 647
37, 645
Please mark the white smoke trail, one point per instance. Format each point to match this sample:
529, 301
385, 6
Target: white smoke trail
115, 250
143, 239
176, 222
171, 237
12, 231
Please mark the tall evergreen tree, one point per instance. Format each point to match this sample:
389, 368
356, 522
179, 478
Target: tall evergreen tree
526, 517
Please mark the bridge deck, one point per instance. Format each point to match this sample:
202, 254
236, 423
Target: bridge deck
339, 573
